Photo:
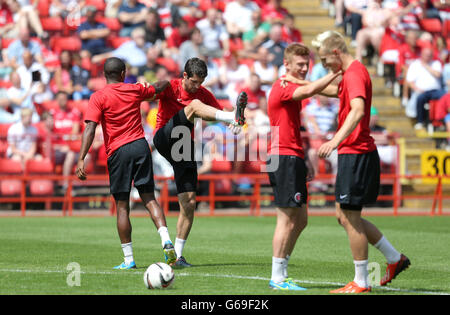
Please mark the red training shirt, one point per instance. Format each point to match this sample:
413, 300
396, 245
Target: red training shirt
174, 98
356, 83
284, 116
118, 108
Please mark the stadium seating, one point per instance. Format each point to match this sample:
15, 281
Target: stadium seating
432, 25
52, 24
10, 187
40, 187
70, 43
43, 7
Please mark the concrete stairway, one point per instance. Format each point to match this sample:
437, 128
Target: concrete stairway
312, 19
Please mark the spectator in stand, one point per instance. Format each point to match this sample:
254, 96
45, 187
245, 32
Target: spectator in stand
409, 17
61, 79
408, 52
154, 33
275, 44
132, 52
257, 34
375, 19
273, 12
178, 36
214, 33
23, 139
238, 16
169, 15
256, 97
17, 48
233, 76
66, 128
93, 35
267, 72
424, 80
382, 137
212, 80
147, 72
321, 120
112, 8
20, 97
132, 15
64, 8
191, 48
80, 79
291, 34
443, 7
34, 74
443, 114
26, 16
356, 8
340, 12
51, 58
7, 25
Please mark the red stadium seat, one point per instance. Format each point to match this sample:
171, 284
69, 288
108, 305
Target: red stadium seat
10, 187
432, 25
221, 166
446, 29
5, 84
115, 42
71, 43
4, 130
223, 186
48, 105
40, 187
6, 42
112, 24
100, 5
43, 7
52, 24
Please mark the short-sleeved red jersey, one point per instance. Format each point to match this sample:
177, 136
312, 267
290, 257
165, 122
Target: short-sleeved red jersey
174, 98
117, 107
284, 116
356, 83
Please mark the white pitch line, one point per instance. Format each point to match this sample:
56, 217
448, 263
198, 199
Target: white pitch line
185, 274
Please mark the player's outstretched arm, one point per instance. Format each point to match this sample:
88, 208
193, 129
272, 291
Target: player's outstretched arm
86, 142
159, 87
353, 118
308, 90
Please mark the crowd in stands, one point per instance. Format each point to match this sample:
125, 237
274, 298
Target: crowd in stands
411, 39
52, 53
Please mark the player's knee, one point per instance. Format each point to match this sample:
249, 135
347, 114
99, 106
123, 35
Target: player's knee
189, 206
192, 109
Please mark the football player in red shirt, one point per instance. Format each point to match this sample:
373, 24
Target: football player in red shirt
287, 170
117, 108
184, 100
358, 175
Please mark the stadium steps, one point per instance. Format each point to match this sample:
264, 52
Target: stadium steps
312, 19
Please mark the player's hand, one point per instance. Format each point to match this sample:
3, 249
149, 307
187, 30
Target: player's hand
288, 78
326, 149
144, 84
235, 129
81, 173
309, 171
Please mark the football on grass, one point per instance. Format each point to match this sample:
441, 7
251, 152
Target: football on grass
158, 276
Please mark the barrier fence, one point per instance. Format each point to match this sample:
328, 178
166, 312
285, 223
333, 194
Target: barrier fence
255, 198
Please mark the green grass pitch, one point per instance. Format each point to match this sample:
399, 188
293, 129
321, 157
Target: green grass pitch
231, 256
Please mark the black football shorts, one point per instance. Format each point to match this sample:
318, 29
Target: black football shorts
357, 179
185, 170
131, 162
288, 181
